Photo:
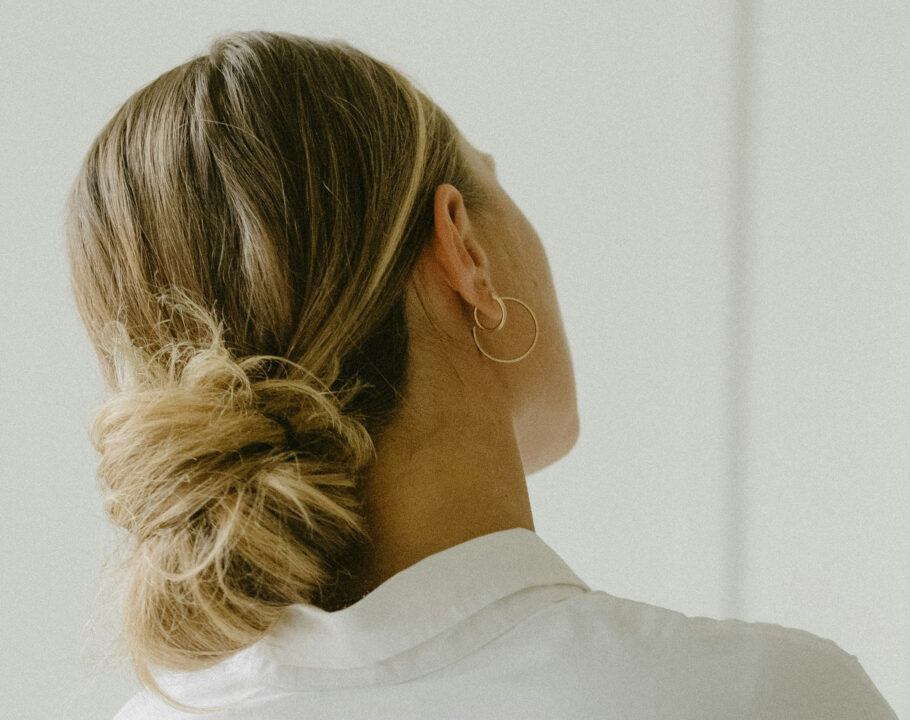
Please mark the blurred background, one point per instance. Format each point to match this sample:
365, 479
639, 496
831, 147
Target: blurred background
723, 189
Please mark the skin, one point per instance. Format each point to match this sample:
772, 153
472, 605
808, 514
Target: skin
452, 466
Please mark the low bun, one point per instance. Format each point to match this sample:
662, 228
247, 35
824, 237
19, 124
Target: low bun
237, 485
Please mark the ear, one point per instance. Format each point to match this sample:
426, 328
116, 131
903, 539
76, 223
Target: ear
458, 256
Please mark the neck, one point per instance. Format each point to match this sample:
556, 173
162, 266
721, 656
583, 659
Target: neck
446, 472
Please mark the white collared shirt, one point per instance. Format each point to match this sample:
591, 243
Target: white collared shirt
500, 627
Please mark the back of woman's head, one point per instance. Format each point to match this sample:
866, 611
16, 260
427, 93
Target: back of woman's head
240, 235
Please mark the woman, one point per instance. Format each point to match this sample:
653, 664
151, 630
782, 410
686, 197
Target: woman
334, 352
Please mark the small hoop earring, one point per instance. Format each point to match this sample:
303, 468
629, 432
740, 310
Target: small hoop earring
501, 323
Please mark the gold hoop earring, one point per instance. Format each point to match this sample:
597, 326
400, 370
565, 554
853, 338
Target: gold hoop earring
500, 325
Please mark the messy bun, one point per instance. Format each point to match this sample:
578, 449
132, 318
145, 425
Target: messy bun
240, 236
236, 485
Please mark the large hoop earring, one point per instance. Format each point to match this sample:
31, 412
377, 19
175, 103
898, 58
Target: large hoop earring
500, 325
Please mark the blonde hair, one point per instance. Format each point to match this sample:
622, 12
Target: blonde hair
240, 236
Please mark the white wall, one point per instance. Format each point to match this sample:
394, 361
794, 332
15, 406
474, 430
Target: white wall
828, 484
723, 192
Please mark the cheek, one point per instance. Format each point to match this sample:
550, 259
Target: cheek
537, 267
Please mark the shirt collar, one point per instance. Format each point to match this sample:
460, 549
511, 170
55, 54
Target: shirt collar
419, 602
416, 604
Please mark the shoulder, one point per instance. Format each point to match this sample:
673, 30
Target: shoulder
137, 707
776, 671
810, 676
144, 706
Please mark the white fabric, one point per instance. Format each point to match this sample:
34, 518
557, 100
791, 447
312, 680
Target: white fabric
500, 627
